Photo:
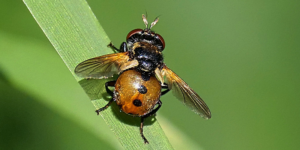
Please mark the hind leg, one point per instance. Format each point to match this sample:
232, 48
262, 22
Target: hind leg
159, 103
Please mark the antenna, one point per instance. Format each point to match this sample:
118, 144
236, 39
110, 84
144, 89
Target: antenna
154, 22
146, 22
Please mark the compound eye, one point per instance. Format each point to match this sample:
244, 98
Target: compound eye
135, 31
162, 40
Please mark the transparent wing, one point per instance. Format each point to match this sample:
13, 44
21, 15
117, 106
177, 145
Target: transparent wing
102, 67
184, 93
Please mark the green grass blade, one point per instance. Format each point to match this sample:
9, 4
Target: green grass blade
76, 35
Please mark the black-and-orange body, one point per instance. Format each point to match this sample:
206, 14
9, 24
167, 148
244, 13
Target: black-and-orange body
134, 95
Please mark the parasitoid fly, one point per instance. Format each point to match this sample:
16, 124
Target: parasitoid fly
143, 76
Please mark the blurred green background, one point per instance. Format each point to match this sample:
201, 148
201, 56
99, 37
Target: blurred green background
241, 57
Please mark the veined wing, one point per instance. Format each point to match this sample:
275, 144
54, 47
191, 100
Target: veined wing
184, 93
104, 66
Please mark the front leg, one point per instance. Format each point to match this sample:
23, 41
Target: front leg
123, 47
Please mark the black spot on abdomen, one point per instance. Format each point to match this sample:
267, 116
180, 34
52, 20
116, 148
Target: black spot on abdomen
142, 89
137, 103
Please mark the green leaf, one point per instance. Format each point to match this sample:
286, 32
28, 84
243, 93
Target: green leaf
76, 35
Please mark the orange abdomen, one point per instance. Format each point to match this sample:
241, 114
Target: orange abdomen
134, 95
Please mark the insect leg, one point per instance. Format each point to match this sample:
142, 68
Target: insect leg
145, 116
159, 103
141, 131
165, 86
112, 46
123, 47
109, 83
106, 106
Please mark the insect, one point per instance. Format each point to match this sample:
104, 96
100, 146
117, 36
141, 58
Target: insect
143, 76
